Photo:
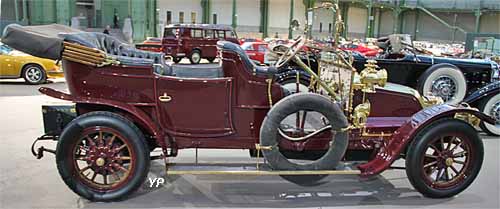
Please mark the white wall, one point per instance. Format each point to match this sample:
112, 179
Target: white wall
224, 11
248, 12
356, 21
176, 6
325, 17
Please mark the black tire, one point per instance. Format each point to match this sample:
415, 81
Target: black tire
195, 56
176, 60
211, 59
418, 152
131, 134
292, 104
34, 74
438, 77
491, 107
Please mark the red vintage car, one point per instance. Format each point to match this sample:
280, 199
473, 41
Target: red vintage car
256, 50
366, 51
195, 41
128, 101
150, 44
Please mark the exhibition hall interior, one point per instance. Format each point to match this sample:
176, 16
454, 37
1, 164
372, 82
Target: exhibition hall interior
250, 103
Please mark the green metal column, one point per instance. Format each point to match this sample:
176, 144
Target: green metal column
138, 10
397, 19
25, 12
65, 9
264, 11
234, 20
290, 30
42, 12
478, 19
16, 10
415, 29
345, 10
206, 10
369, 20
379, 21
309, 4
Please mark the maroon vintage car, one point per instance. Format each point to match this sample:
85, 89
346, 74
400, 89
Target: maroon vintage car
195, 41
127, 102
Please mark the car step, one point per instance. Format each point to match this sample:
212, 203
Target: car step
250, 169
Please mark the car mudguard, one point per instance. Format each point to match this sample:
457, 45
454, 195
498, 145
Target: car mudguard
405, 134
138, 115
488, 90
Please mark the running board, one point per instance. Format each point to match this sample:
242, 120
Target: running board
250, 169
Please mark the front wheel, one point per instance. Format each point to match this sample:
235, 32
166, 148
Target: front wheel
34, 74
445, 81
491, 107
444, 158
176, 59
102, 156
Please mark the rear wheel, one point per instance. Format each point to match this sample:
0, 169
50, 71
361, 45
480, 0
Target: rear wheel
211, 59
34, 74
102, 156
297, 121
491, 107
195, 56
444, 158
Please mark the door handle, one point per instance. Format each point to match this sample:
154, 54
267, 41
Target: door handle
165, 98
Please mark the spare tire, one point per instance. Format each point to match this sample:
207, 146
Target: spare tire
269, 134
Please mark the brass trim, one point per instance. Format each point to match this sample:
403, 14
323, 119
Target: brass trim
79, 61
165, 98
83, 51
260, 172
83, 55
84, 48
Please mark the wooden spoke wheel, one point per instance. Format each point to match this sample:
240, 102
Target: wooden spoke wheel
103, 159
444, 158
446, 161
102, 156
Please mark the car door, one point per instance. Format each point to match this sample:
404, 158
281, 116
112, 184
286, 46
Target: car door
209, 44
7, 63
195, 107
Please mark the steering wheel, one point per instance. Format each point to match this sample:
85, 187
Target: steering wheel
291, 52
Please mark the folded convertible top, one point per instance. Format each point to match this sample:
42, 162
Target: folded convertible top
40, 41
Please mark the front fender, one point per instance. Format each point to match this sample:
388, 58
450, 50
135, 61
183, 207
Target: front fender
138, 115
485, 91
405, 134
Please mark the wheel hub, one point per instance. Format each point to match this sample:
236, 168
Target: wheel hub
444, 87
495, 112
449, 162
100, 161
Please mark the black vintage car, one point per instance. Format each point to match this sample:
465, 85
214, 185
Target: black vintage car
474, 81
449, 78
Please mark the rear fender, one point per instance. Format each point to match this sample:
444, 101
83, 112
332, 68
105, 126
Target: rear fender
137, 115
405, 134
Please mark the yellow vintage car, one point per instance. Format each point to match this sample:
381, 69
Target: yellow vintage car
34, 70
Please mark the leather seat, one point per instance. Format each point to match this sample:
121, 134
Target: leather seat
126, 54
269, 71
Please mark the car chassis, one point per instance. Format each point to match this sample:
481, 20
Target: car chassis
125, 108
